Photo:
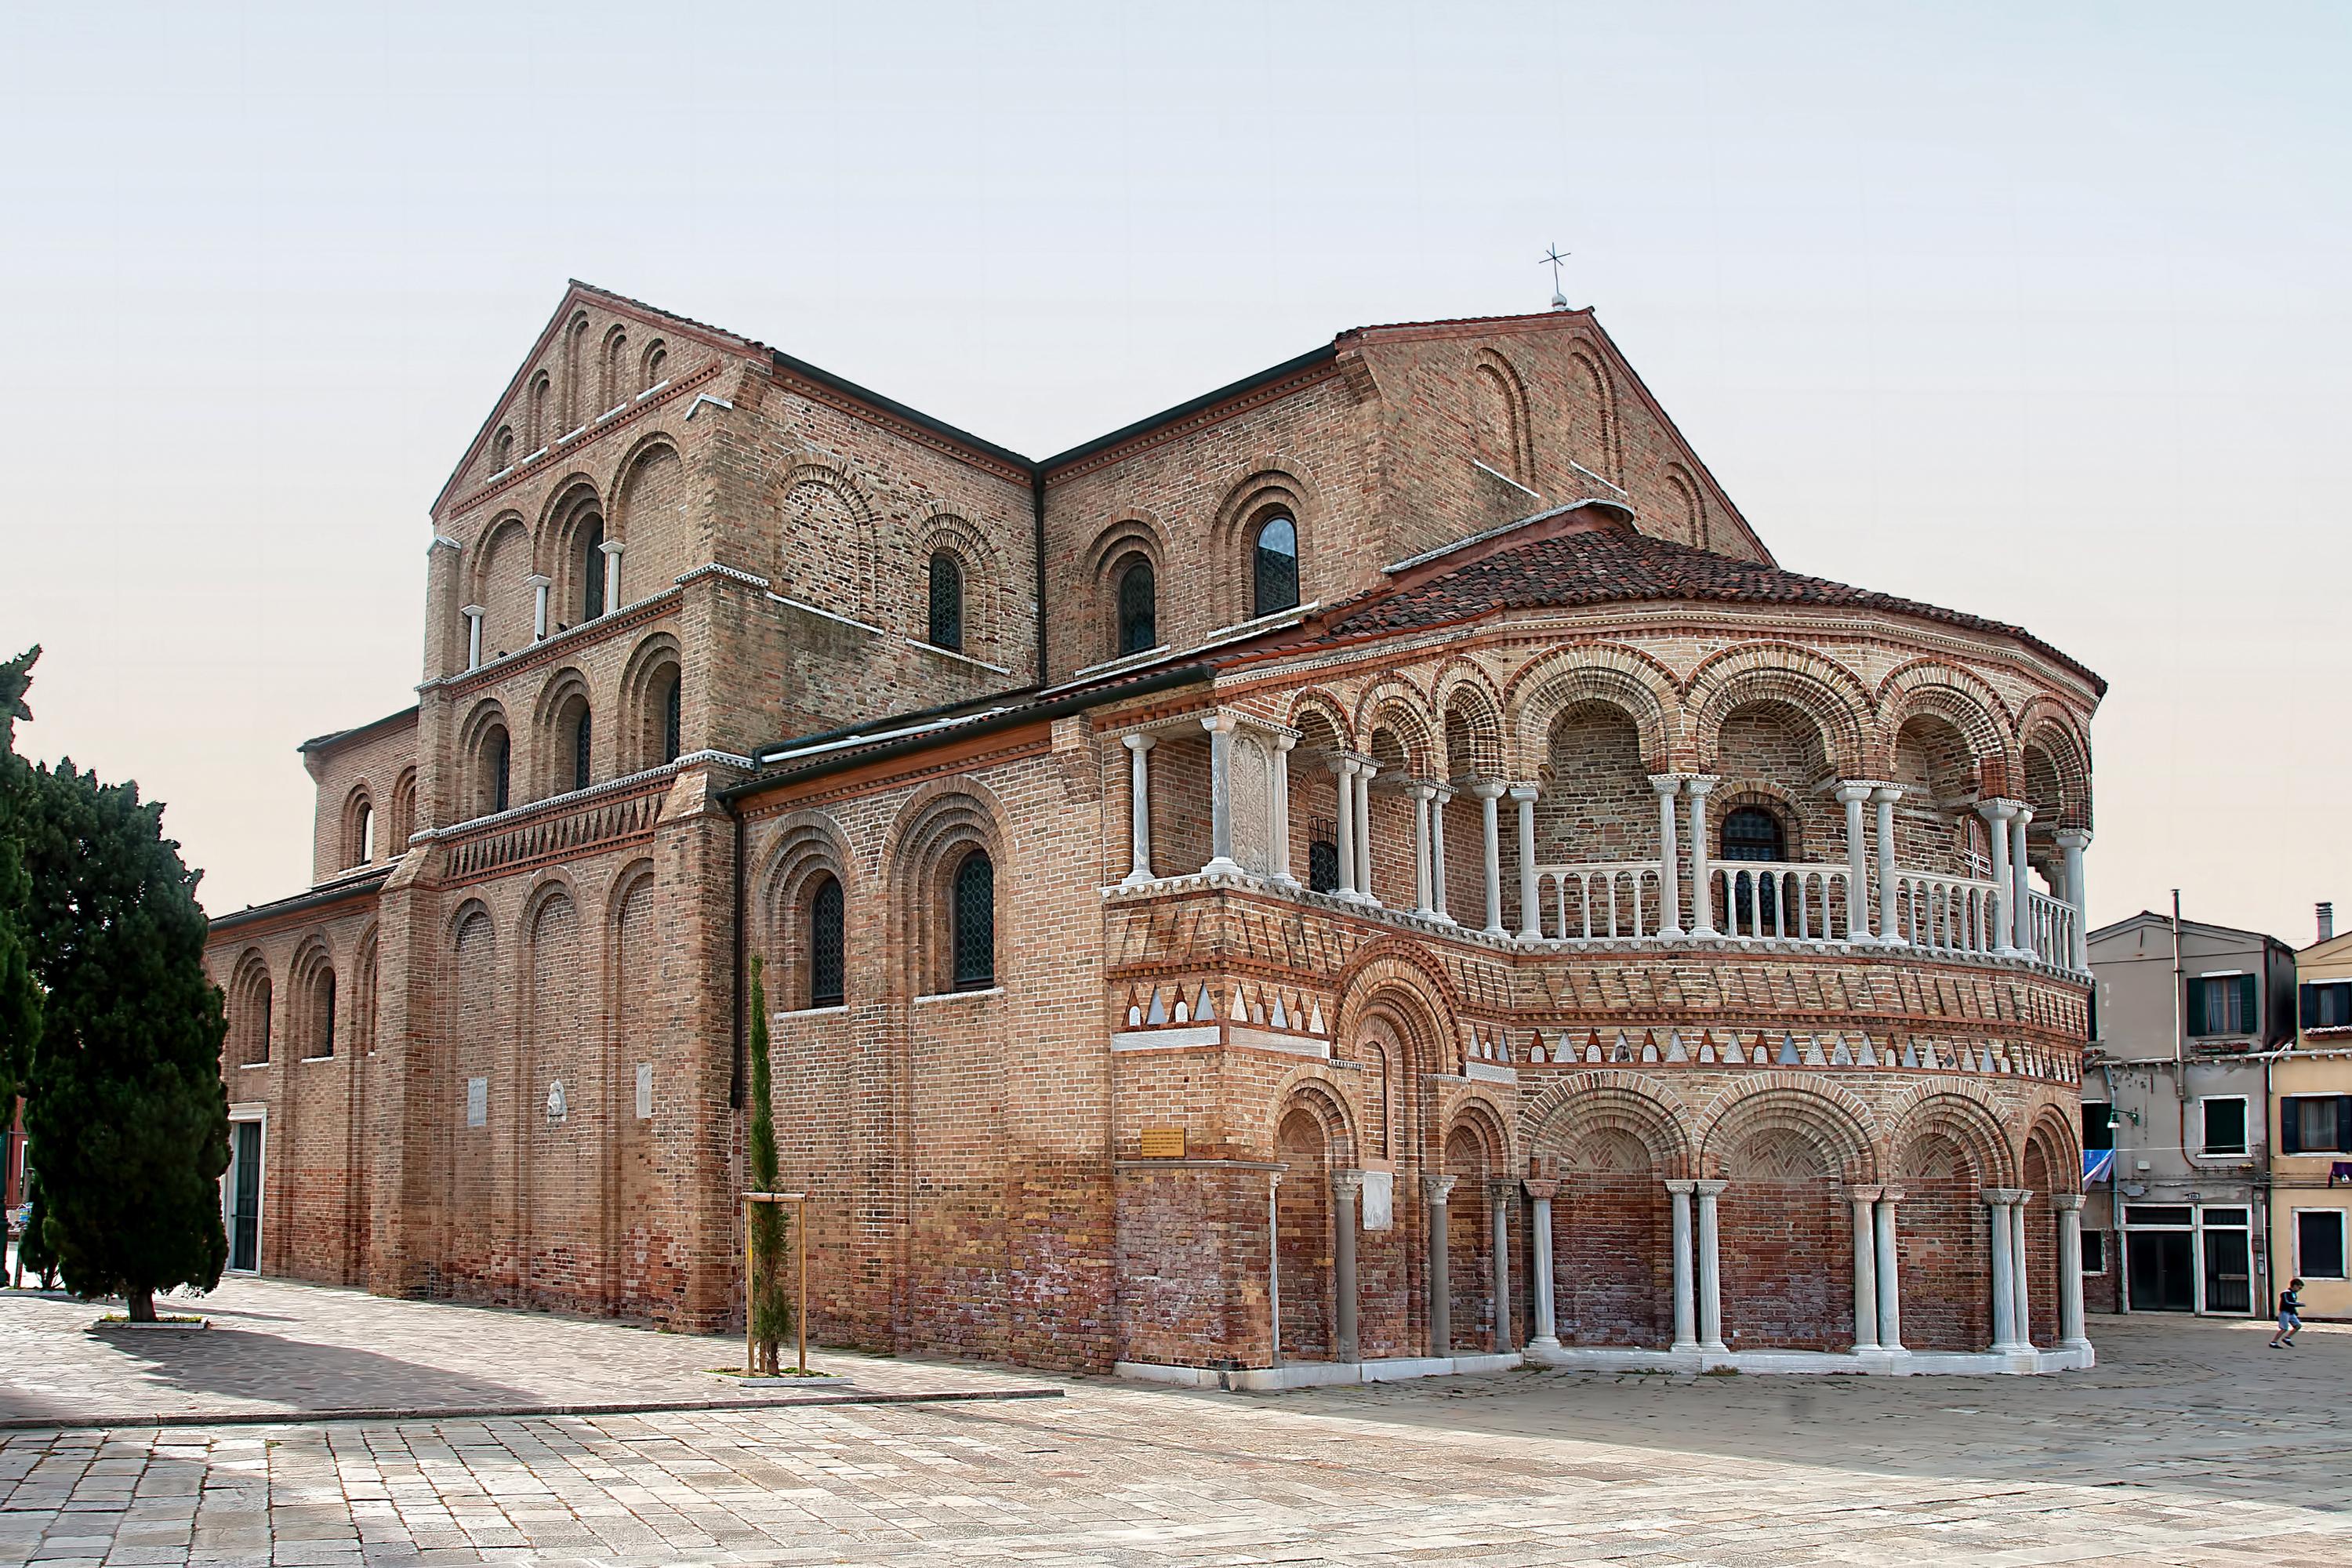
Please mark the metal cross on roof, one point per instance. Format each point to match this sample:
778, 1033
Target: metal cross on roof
1557, 258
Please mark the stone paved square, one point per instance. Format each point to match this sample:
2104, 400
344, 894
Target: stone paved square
2190, 1444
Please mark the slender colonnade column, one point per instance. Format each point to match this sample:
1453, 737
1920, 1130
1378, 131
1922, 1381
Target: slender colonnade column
1440, 795
1501, 1196
2022, 873
473, 614
1344, 1185
1343, 767
1857, 863
1686, 1313
612, 549
1435, 1190
1221, 727
1884, 797
2070, 1270
1711, 1266
1866, 1267
1997, 814
1138, 785
1670, 887
1365, 770
539, 584
1487, 790
2004, 1267
2071, 842
2021, 1280
1282, 745
1702, 896
1421, 796
1890, 1288
1530, 914
1541, 1195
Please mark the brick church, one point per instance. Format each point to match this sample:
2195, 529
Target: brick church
1372, 870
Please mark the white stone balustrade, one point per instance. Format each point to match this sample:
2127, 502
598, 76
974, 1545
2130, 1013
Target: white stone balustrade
1953, 914
1606, 898
2051, 925
1787, 901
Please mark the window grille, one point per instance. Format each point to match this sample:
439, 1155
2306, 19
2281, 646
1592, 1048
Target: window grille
580, 738
1322, 866
825, 945
975, 923
1138, 610
1277, 565
672, 713
592, 572
1752, 833
947, 602
501, 754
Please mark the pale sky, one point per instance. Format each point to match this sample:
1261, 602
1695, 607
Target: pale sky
2035, 312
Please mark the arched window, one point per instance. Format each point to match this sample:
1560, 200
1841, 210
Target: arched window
657, 359
673, 715
323, 1020
502, 449
498, 758
947, 602
367, 835
1277, 565
975, 923
580, 741
1752, 833
538, 435
615, 390
591, 571
826, 944
1138, 611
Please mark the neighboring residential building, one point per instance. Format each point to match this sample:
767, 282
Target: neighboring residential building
2175, 1083
2311, 1160
1373, 864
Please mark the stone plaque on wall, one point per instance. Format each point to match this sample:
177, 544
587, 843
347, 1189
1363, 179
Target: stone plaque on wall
478, 1102
1379, 1200
644, 1091
1163, 1142
1252, 805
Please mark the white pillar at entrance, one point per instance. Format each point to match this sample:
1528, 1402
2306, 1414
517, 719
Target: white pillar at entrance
1365, 770
1282, 745
1345, 1189
2023, 874
1710, 1268
1686, 1313
1501, 1196
1670, 887
1439, 796
1884, 797
2071, 842
2019, 1274
1139, 829
1702, 896
473, 614
1890, 1288
2070, 1270
1866, 1267
2004, 1268
612, 549
1421, 798
1486, 790
1435, 1190
1857, 863
1997, 814
1221, 727
539, 584
1547, 1323
1343, 767
1530, 913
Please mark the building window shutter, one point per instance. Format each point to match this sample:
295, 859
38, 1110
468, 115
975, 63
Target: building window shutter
2195, 1011
2290, 1126
2249, 1018
2308, 1005
2343, 1123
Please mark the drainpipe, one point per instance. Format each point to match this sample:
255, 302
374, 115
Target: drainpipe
1037, 513
735, 1077
2115, 1192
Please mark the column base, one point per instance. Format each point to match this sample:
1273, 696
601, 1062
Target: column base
1544, 1342
1715, 1347
1137, 879
1222, 866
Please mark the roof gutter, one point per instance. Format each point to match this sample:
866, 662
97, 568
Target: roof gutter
1182, 674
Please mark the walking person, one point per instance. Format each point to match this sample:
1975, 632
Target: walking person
2290, 1316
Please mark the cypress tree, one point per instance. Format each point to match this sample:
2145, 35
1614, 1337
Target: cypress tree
129, 1120
20, 997
771, 1305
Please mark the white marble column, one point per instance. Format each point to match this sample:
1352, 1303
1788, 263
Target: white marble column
1366, 769
1865, 1267
1530, 911
1695, 790
2022, 874
2004, 1268
1857, 863
1421, 797
1685, 1306
1501, 1196
1670, 884
1997, 814
1221, 727
1439, 797
612, 549
473, 614
2070, 1270
1890, 1285
539, 584
1884, 797
1435, 1190
1343, 768
2020, 1274
2071, 842
1345, 1187
1282, 746
1541, 1195
1488, 791
1274, 1262
1711, 1266
1138, 828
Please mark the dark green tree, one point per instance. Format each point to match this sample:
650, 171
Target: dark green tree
20, 996
33, 1248
771, 1303
128, 1121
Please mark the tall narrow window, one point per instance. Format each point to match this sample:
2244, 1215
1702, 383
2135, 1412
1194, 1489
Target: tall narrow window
592, 572
580, 740
825, 946
500, 756
1322, 866
325, 1043
1277, 565
366, 835
672, 717
1139, 618
947, 602
975, 923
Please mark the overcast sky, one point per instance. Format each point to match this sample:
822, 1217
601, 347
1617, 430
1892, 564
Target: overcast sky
2038, 315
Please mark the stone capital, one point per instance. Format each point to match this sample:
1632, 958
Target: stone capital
1997, 809
1708, 1188
1139, 742
1347, 1184
473, 612
1502, 1191
1853, 792
441, 541
1667, 783
1679, 1184
1865, 1195
1700, 784
1487, 789
1541, 1190
2062, 1201
1285, 739
614, 546
1341, 763
1885, 795
1222, 721
2001, 1197
1890, 1195
2075, 839
1437, 1189
1524, 791
540, 580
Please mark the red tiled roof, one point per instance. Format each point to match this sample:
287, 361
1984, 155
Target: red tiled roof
1616, 566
